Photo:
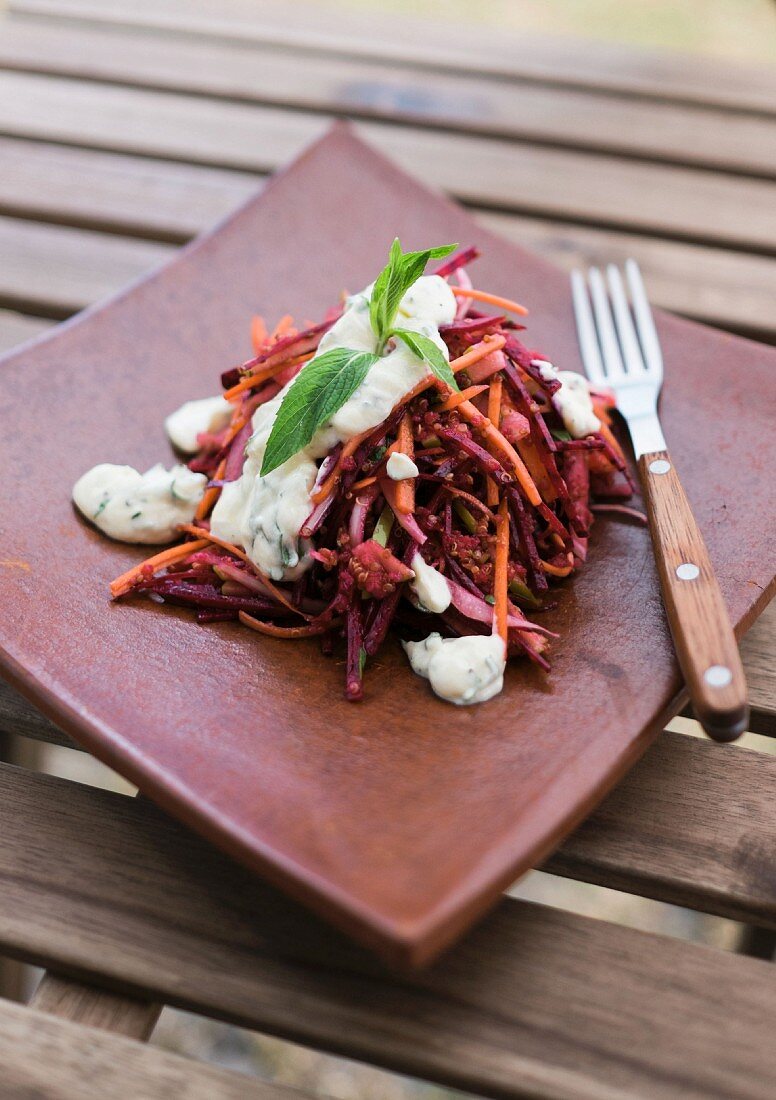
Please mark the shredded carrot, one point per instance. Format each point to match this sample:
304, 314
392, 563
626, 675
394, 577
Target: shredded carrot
557, 570
264, 375
456, 398
327, 487
259, 333
536, 468
405, 489
281, 597
283, 326
501, 561
122, 584
492, 299
494, 416
206, 505
503, 447
611, 439
364, 483
200, 532
487, 345
286, 631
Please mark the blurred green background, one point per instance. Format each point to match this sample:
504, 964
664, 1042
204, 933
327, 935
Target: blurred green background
733, 29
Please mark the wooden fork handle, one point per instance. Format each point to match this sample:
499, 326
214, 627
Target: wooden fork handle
703, 637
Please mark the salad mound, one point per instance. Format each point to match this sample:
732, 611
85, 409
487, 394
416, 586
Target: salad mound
406, 462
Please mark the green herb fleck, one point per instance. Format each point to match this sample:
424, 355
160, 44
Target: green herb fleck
522, 592
383, 527
560, 433
491, 600
101, 508
361, 660
465, 516
137, 515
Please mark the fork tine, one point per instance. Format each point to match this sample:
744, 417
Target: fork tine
650, 344
629, 343
588, 341
605, 325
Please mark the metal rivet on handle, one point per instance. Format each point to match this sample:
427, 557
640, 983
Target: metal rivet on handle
687, 571
659, 466
718, 676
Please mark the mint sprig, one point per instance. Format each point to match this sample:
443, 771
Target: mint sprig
313, 398
402, 270
324, 385
429, 352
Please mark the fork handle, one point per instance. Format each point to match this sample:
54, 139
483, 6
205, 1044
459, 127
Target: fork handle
703, 637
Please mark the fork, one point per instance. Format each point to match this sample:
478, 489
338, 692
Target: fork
626, 356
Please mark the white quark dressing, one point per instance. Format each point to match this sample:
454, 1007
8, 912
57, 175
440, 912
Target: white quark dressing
134, 507
265, 514
400, 466
430, 586
208, 414
461, 670
572, 400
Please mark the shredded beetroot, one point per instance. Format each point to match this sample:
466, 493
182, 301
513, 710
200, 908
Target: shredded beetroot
499, 482
375, 569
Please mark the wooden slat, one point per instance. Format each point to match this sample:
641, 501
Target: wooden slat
57, 271
168, 201
18, 717
535, 1002
444, 44
49, 1059
678, 202
689, 825
84, 1004
128, 195
365, 89
720, 287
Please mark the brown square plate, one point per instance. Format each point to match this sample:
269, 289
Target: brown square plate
400, 819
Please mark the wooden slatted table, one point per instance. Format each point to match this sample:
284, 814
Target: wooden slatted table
124, 130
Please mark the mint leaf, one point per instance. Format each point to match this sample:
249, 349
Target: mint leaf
317, 393
393, 282
428, 351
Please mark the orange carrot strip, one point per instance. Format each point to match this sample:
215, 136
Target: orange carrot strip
327, 487
286, 631
208, 501
122, 584
504, 448
486, 345
492, 299
556, 570
282, 327
404, 497
501, 605
238, 553
259, 333
456, 398
260, 376
536, 468
494, 416
364, 483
